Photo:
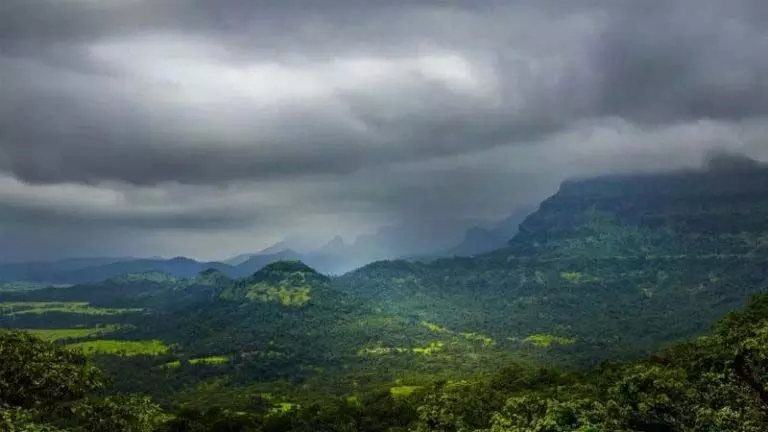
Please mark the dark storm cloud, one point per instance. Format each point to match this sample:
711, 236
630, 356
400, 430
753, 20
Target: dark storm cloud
685, 60
181, 219
659, 62
400, 109
65, 206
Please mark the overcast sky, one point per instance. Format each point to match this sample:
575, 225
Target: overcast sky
211, 127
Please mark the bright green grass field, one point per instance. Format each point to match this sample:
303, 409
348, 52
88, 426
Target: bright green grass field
121, 347
213, 360
70, 333
37, 308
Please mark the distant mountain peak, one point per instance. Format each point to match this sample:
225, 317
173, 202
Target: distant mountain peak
275, 248
335, 246
290, 283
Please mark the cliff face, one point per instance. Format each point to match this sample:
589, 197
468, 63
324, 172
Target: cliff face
692, 213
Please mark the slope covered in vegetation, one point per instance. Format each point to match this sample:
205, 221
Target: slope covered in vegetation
618, 264
285, 330
607, 269
714, 383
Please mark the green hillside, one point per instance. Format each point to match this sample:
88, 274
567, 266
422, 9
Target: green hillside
715, 383
620, 265
285, 330
608, 269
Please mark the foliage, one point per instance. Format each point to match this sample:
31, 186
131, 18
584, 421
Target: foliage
117, 413
45, 387
289, 283
37, 374
18, 420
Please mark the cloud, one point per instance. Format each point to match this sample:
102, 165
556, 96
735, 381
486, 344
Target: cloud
203, 109
671, 61
73, 204
193, 121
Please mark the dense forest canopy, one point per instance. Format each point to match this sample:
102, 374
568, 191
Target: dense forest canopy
715, 383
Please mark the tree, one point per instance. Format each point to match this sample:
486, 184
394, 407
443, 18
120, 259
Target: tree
44, 387
39, 375
117, 413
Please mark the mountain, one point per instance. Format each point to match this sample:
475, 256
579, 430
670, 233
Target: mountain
47, 271
284, 322
275, 249
617, 264
608, 268
335, 246
152, 291
481, 239
81, 271
258, 261
477, 241
405, 240
413, 238
238, 259
179, 267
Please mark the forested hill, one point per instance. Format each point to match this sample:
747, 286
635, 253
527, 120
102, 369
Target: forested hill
704, 213
618, 265
606, 269
286, 331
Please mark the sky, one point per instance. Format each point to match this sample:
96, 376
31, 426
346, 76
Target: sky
210, 128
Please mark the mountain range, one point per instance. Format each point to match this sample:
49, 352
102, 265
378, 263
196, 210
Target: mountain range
606, 269
334, 257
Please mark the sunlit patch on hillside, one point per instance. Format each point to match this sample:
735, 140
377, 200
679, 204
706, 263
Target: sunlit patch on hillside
477, 337
287, 296
212, 361
403, 391
547, 340
470, 336
293, 290
124, 348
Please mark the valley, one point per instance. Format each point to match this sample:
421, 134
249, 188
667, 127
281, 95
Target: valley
607, 270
